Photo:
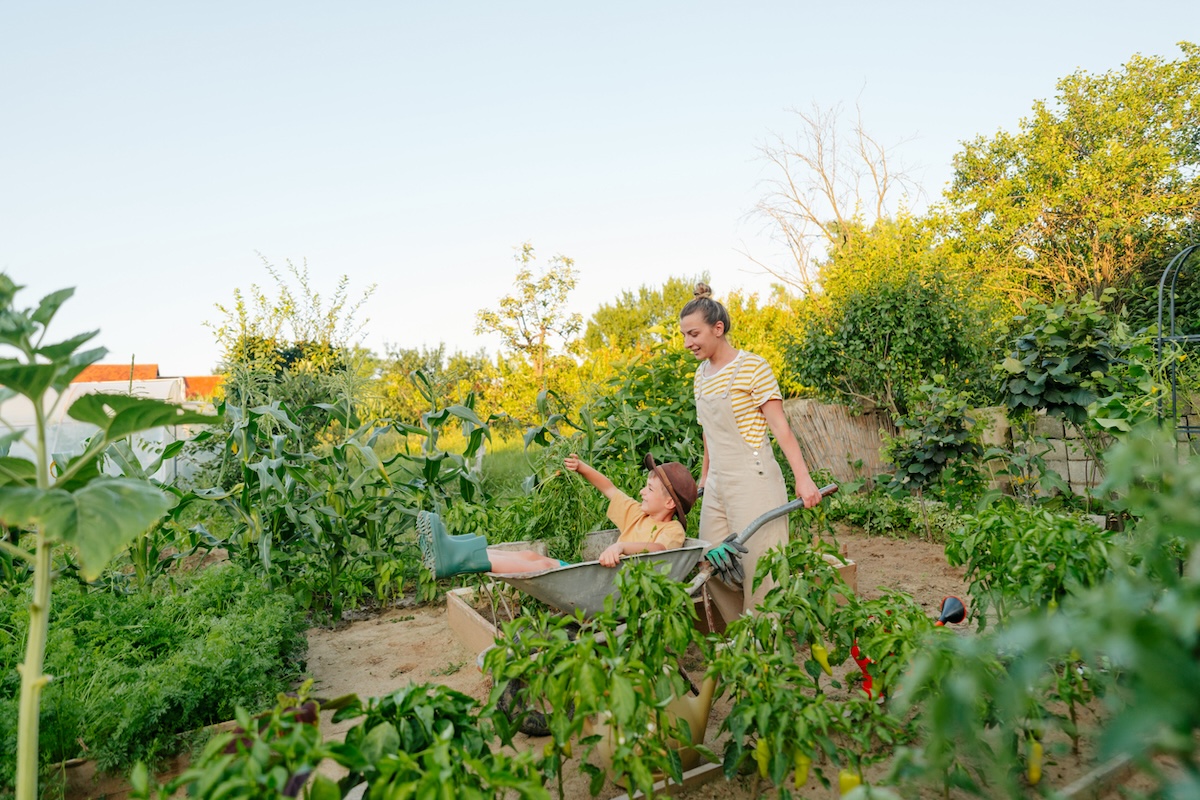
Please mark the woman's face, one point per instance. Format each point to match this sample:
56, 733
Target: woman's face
700, 337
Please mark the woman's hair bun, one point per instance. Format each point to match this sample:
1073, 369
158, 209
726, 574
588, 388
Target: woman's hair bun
702, 290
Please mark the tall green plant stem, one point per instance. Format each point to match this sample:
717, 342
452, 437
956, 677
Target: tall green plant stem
32, 679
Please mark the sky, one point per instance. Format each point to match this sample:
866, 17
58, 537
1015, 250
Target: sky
153, 155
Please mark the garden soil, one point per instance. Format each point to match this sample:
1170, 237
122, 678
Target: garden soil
373, 657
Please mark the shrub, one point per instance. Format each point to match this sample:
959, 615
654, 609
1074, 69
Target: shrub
938, 447
896, 309
1058, 349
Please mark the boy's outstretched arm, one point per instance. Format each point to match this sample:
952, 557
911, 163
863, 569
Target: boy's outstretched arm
591, 475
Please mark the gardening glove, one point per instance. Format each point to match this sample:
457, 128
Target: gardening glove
726, 559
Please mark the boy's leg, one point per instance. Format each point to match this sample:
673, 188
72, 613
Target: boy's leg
506, 562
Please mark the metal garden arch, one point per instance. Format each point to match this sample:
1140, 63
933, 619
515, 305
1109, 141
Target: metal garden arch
1167, 333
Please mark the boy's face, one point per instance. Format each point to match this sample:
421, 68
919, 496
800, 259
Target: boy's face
656, 502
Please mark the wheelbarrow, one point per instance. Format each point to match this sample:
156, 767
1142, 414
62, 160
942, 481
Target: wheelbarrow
584, 586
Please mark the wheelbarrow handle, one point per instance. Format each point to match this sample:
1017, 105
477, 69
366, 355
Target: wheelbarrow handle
706, 569
775, 513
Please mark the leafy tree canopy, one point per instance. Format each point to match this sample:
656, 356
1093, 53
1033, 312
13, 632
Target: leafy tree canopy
536, 312
896, 309
1094, 191
636, 320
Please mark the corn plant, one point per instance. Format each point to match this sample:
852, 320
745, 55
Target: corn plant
153, 553
331, 524
69, 502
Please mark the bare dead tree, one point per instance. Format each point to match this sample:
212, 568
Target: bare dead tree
824, 183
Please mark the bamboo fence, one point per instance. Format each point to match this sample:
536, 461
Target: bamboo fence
833, 439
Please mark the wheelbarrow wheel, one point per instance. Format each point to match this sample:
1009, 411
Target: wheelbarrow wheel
514, 705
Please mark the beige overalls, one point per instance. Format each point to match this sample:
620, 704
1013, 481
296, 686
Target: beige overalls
743, 482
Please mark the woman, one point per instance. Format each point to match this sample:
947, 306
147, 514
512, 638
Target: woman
737, 402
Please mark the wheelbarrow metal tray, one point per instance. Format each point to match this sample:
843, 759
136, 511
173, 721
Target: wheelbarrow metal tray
585, 585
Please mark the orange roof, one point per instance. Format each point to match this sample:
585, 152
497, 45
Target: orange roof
117, 372
201, 387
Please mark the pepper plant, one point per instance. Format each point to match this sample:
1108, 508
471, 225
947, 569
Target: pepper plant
268, 756
1019, 558
64, 500
599, 674
1134, 633
771, 665
383, 749
421, 741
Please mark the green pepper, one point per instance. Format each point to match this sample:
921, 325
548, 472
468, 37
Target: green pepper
822, 656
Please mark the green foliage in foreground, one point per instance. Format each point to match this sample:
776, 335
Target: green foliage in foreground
1130, 633
420, 741
133, 671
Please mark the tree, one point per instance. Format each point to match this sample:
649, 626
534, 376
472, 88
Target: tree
295, 327
764, 328
636, 320
896, 308
536, 312
826, 187
1095, 191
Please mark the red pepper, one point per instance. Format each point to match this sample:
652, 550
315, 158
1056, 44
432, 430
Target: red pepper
863, 662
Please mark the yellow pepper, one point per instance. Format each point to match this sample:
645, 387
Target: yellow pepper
762, 754
848, 781
822, 657
1034, 772
801, 763
548, 750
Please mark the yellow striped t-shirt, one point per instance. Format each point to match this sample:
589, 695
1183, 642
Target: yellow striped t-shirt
754, 386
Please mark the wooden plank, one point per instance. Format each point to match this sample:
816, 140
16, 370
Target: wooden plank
476, 633
1097, 782
691, 779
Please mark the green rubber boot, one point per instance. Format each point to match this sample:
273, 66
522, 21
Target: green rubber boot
446, 555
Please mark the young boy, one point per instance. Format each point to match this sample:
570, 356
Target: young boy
656, 523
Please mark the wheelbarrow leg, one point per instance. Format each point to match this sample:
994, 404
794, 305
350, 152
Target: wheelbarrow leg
708, 615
